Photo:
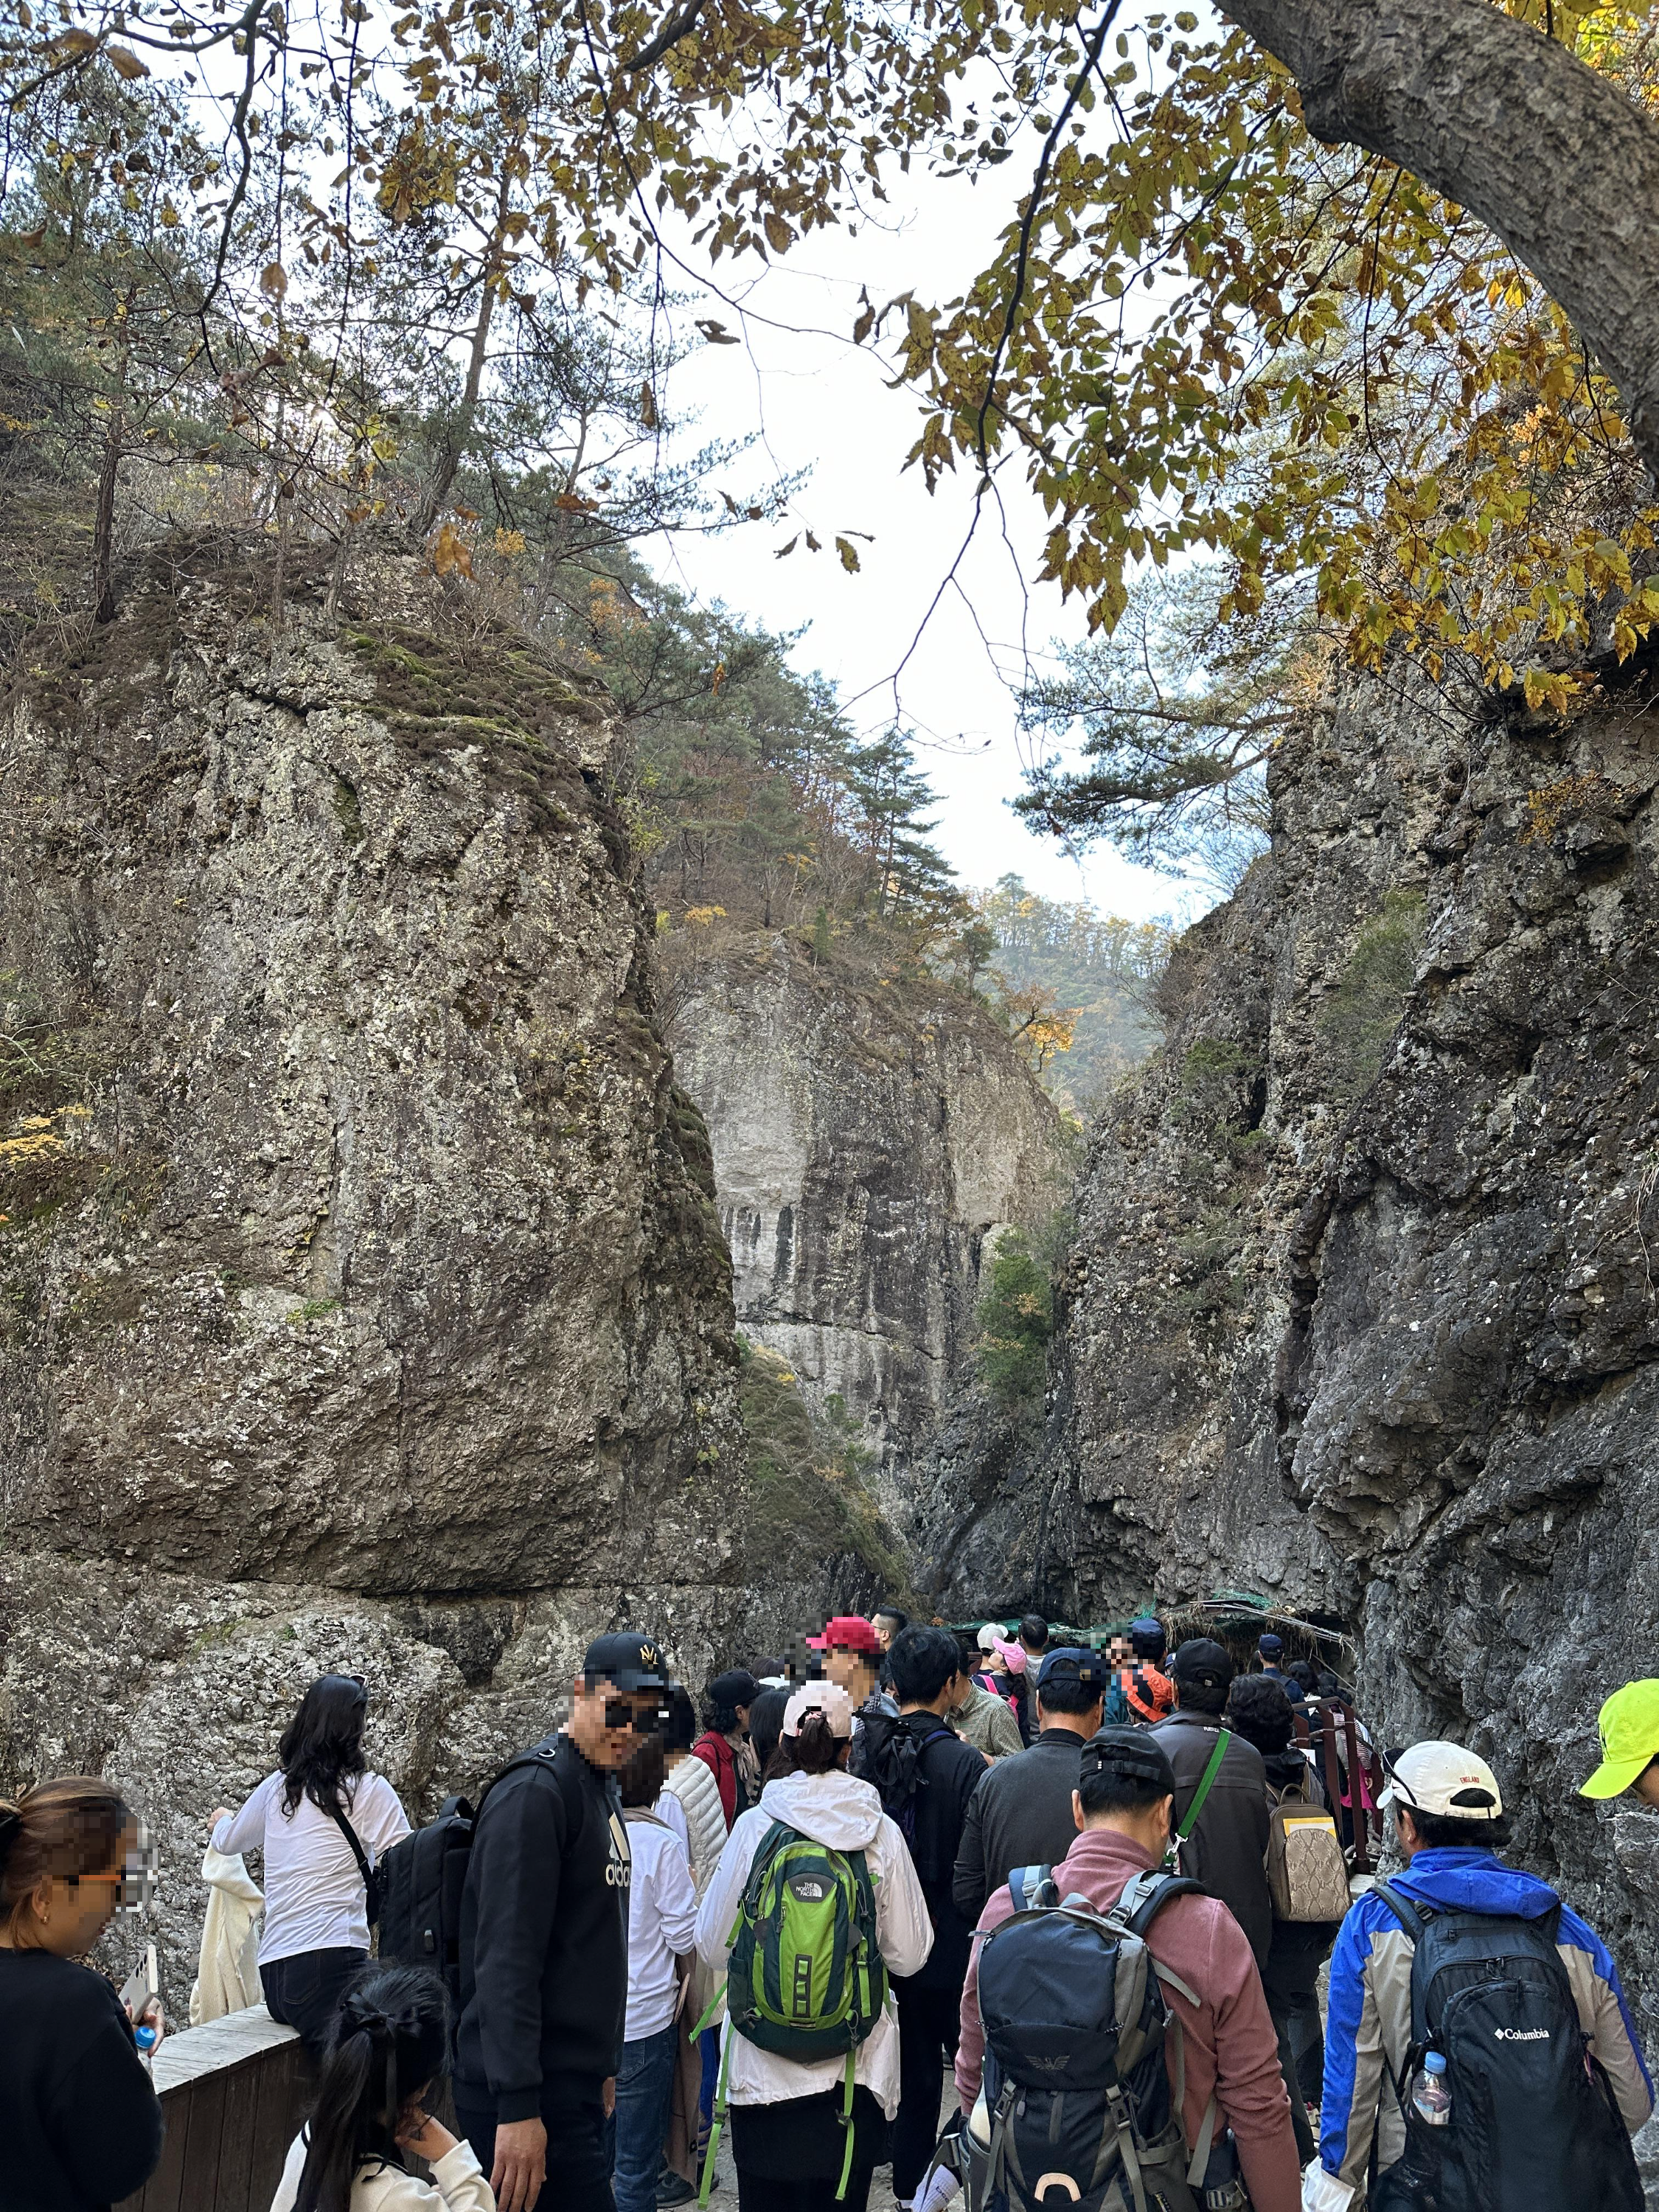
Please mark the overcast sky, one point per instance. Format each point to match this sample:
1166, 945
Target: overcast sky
821, 404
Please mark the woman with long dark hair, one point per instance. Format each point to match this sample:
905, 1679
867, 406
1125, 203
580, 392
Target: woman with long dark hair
322, 1820
78, 2118
385, 2064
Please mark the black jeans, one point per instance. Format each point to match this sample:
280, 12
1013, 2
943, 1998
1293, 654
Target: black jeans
929, 2021
301, 1991
580, 2144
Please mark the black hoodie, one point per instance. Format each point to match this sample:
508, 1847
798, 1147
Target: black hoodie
544, 1938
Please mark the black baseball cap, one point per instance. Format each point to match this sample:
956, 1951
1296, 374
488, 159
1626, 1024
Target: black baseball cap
1270, 1646
737, 1687
1202, 1663
1132, 1751
1071, 1663
627, 1659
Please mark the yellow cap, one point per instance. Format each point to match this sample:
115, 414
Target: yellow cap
1629, 1723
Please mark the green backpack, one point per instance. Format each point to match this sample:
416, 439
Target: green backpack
805, 1978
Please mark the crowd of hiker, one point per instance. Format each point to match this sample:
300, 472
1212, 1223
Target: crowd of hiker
1092, 1889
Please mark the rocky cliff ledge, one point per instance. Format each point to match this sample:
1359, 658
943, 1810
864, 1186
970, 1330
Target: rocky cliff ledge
870, 1141
1362, 1308
362, 1299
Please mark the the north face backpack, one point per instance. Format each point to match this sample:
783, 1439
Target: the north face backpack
421, 1879
1307, 1870
1075, 2106
1532, 2119
888, 1754
805, 1978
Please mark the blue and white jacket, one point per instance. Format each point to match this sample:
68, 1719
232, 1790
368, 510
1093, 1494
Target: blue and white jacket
1371, 2002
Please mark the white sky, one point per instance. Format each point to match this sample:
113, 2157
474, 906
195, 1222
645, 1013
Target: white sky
823, 403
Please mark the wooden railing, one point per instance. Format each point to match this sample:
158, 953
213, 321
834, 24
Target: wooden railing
232, 2095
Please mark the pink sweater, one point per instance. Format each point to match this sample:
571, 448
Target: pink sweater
1231, 2046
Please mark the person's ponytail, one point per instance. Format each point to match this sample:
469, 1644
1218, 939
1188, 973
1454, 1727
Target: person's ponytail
334, 2144
390, 2044
816, 1744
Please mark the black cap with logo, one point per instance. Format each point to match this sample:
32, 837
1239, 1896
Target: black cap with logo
1205, 1664
626, 1660
1131, 1752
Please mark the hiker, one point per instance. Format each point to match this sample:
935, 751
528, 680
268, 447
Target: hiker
924, 1775
690, 1803
1552, 2130
766, 1726
1226, 2052
792, 2141
983, 1719
323, 1820
690, 1798
888, 1621
383, 2072
662, 1919
1259, 1710
1629, 1727
1021, 1814
1002, 1673
851, 1660
544, 1942
720, 1746
1225, 1840
1034, 1637
78, 2117
1270, 1652
1149, 1697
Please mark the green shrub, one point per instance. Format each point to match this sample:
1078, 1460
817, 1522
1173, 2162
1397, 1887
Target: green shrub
1362, 1012
1015, 1320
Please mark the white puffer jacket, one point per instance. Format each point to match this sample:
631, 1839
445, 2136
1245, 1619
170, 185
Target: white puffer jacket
831, 1808
705, 1816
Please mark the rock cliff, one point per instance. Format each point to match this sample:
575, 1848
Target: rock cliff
1361, 1310
362, 1299
870, 1141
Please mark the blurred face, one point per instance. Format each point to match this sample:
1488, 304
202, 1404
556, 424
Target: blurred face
67, 1915
852, 1671
608, 1725
1121, 1651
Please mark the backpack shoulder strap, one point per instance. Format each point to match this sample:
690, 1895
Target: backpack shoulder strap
1412, 1917
1189, 1819
1147, 1894
371, 1886
546, 1757
1026, 1885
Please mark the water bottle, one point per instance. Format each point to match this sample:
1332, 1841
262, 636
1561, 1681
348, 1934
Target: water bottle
1431, 2092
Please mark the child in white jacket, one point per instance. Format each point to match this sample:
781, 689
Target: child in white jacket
787, 2126
388, 2055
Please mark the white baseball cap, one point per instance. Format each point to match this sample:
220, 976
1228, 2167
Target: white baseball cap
826, 1698
1444, 1779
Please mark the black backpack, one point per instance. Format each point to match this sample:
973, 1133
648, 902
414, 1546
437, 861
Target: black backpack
1533, 2122
890, 1757
1076, 2102
422, 1878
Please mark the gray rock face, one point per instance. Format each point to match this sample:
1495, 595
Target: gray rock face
1362, 1312
363, 1298
871, 1142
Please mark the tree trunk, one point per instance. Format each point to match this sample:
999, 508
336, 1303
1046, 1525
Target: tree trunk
1505, 122
103, 531
449, 454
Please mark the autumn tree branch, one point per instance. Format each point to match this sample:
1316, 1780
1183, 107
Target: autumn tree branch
1503, 120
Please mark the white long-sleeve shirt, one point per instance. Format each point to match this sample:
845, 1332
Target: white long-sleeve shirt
835, 1809
457, 2185
314, 1895
662, 1923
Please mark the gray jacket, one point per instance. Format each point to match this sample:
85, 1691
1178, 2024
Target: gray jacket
1227, 1851
1020, 1815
